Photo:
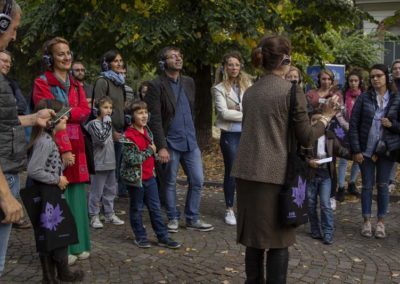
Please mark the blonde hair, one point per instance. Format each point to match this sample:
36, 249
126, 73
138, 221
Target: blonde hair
243, 79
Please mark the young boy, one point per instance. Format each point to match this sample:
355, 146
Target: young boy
104, 185
137, 172
321, 183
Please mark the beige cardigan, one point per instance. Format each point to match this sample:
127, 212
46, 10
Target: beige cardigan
262, 152
225, 103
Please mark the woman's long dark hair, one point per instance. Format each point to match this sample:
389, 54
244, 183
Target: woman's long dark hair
37, 130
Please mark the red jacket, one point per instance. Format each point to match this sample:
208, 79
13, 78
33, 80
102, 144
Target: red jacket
70, 139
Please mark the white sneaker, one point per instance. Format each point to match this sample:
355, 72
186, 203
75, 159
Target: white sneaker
72, 259
173, 226
230, 218
333, 203
95, 222
114, 219
83, 255
392, 187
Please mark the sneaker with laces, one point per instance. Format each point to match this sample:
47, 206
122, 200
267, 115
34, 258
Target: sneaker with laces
72, 259
328, 239
333, 203
142, 243
95, 222
199, 226
114, 219
169, 243
392, 187
83, 255
380, 231
366, 229
230, 218
173, 226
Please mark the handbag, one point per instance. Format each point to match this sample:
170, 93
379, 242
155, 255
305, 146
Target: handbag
293, 203
87, 139
53, 223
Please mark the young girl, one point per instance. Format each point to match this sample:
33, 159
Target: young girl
137, 172
53, 222
104, 184
320, 184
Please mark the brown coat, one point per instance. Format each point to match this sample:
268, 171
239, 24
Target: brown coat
260, 164
262, 152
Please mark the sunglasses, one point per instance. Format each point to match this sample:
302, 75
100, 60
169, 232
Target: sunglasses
286, 60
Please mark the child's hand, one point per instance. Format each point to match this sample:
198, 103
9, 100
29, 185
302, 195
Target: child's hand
313, 163
107, 119
63, 183
68, 159
153, 147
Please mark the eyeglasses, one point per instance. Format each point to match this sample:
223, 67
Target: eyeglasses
79, 70
286, 60
377, 76
175, 56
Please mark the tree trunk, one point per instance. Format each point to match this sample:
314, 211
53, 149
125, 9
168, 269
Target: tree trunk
203, 105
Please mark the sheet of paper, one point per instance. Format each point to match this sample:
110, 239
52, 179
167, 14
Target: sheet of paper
323, 161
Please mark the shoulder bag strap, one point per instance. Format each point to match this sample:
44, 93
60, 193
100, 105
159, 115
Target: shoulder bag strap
291, 137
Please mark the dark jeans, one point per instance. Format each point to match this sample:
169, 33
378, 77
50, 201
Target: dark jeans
277, 265
229, 143
375, 172
118, 159
147, 194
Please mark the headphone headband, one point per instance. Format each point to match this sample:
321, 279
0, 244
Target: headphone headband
5, 16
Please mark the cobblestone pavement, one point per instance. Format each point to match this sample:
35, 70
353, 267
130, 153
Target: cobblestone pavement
214, 257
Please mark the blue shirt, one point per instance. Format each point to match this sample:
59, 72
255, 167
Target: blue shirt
181, 133
375, 132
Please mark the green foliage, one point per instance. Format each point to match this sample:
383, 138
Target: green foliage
203, 29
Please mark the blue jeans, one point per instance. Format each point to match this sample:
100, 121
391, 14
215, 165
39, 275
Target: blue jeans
379, 170
342, 168
5, 229
118, 159
193, 167
322, 187
229, 143
147, 194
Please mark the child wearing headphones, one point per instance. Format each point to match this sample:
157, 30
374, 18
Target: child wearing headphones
104, 184
52, 220
138, 173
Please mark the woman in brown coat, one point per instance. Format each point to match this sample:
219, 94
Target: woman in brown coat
261, 160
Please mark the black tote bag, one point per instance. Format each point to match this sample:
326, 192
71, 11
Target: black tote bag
293, 203
52, 221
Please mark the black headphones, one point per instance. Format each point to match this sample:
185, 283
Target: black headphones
48, 59
105, 66
5, 17
162, 63
96, 108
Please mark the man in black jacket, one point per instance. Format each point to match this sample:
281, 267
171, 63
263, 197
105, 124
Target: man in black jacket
12, 134
170, 98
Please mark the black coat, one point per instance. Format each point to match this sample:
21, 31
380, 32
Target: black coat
361, 120
161, 103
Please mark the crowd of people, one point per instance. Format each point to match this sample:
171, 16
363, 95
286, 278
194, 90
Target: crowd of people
130, 154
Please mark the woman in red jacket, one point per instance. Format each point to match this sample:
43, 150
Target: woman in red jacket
57, 83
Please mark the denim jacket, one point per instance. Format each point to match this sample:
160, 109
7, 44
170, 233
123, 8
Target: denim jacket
132, 160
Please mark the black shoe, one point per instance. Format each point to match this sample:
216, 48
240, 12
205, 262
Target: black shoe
143, 243
340, 194
169, 243
352, 189
316, 236
328, 239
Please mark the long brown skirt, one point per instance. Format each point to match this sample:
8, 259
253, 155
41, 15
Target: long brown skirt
258, 220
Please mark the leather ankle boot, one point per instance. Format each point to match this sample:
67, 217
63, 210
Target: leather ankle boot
340, 194
352, 189
60, 257
49, 270
277, 265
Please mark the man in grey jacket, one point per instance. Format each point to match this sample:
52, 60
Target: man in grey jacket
12, 134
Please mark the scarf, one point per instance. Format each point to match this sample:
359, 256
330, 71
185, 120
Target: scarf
350, 99
116, 78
